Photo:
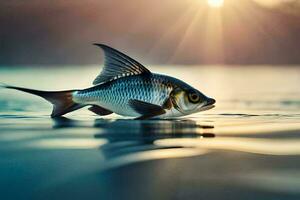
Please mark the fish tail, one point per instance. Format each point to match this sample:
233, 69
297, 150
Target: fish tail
62, 101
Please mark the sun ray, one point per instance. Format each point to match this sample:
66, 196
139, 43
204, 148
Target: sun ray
168, 36
213, 47
189, 30
215, 3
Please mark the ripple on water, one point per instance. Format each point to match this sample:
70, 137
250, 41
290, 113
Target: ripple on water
251, 138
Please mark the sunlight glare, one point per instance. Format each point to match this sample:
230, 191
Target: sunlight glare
215, 3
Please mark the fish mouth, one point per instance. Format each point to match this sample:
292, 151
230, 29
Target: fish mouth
206, 107
209, 104
210, 101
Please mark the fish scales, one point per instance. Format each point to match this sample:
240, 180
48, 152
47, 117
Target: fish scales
115, 95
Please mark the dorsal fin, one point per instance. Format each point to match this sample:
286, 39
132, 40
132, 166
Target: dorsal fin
118, 65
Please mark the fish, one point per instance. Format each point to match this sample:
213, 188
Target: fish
127, 88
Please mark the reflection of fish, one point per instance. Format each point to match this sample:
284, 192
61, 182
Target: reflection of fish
126, 87
143, 134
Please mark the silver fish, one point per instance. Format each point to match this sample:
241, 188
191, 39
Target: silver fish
127, 88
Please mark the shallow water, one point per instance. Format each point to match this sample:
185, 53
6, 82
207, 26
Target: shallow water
248, 147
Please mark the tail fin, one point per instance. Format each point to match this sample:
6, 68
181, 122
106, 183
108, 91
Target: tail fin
62, 100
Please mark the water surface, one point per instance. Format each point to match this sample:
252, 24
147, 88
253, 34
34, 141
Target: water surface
247, 147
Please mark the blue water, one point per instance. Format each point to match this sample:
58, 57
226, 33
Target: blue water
247, 147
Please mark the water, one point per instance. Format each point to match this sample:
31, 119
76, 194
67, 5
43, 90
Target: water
247, 147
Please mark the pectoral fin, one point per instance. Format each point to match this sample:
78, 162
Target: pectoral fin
147, 110
99, 110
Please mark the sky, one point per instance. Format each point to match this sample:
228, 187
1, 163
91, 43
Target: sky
191, 32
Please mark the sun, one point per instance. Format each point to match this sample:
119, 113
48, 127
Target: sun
215, 3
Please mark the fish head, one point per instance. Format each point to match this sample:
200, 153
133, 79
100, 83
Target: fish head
190, 100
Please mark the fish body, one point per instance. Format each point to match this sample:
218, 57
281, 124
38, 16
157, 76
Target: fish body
127, 88
115, 95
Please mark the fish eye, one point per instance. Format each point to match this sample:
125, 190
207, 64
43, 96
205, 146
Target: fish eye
194, 97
